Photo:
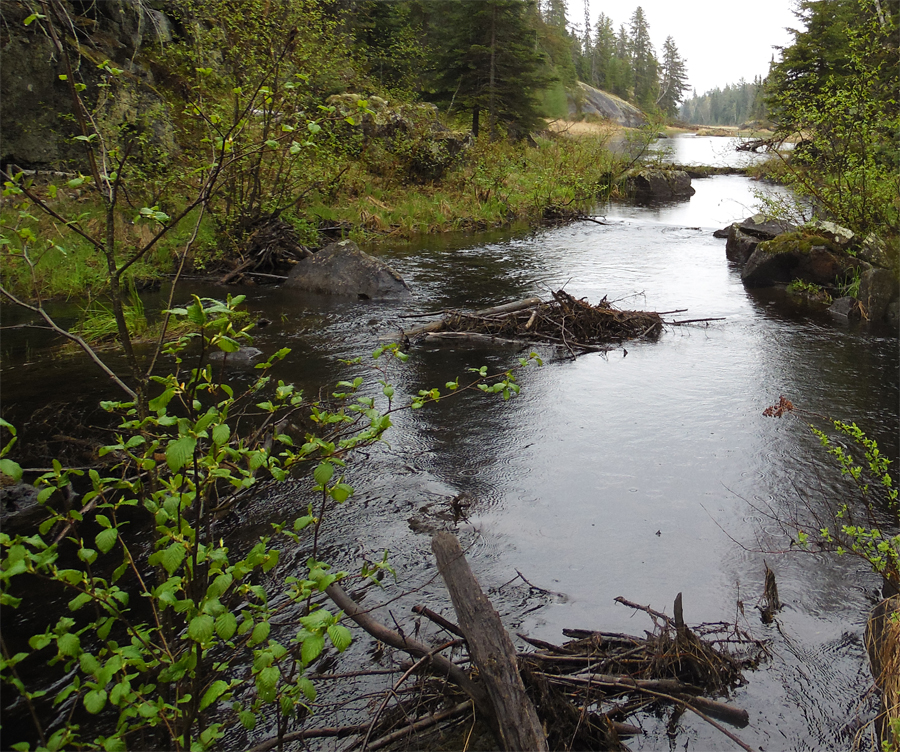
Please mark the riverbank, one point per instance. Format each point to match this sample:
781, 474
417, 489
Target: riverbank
492, 184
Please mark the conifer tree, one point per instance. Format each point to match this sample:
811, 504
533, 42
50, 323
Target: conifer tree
488, 62
644, 64
673, 79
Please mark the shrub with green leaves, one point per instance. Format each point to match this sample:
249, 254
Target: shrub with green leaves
172, 644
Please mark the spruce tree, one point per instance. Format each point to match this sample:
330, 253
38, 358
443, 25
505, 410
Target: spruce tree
643, 60
673, 79
488, 62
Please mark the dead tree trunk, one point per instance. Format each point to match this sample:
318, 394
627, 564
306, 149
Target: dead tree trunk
517, 726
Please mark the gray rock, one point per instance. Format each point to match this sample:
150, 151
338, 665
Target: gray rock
764, 268
590, 101
740, 246
822, 266
877, 288
893, 315
764, 227
661, 185
847, 308
18, 499
343, 269
841, 236
723, 233
874, 250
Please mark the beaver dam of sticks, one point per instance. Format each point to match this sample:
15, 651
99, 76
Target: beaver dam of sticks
563, 321
469, 688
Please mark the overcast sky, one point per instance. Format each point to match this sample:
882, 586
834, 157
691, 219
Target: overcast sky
722, 41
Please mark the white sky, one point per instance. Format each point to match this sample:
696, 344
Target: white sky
721, 40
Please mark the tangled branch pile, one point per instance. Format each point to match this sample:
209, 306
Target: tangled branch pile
564, 320
611, 676
584, 691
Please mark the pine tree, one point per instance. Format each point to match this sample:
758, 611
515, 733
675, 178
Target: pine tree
673, 81
643, 60
604, 53
488, 61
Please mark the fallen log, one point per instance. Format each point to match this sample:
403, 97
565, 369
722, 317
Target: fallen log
515, 720
408, 645
518, 305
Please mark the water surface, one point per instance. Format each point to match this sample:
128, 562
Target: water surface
642, 472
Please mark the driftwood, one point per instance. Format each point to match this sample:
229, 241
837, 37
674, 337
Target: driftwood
435, 326
515, 721
564, 321
408, 645
578, 695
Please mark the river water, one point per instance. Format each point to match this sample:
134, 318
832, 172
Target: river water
642, 472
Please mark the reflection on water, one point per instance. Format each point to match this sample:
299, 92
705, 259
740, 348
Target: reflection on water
642, 474
714, 151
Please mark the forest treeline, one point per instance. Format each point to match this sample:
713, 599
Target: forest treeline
511, 59
736, 104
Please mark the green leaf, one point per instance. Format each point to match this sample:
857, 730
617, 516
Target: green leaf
340, 637
266, 681
216, 690
89, 664
312, 648
172, 556
226, 625
323, 473
272, 143
39, 641
226, 344
179, 452
106, 539
69, 644
95, 701
306, 686
12, 469
114, 744
221, 434
260, 632
201, 628
248, 719
341, 492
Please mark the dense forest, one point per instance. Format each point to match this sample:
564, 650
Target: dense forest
740, 103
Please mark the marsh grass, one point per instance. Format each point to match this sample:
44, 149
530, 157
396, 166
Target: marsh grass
496, 184
65, 265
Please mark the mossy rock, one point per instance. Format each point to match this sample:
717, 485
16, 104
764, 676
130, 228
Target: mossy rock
798, 242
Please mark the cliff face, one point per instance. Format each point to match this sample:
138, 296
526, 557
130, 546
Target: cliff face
36, 120
590, 101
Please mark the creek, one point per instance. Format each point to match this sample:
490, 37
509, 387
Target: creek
642, 473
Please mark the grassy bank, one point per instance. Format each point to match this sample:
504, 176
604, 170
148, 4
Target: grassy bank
492, 184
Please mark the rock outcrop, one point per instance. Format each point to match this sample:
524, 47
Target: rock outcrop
40, 133
820, 255
343, 269
586, 100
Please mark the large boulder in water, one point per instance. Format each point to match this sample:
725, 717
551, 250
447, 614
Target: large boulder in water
661, 185
796, 255
877, 289
744, 236
765, 227
740, 246
343, 269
